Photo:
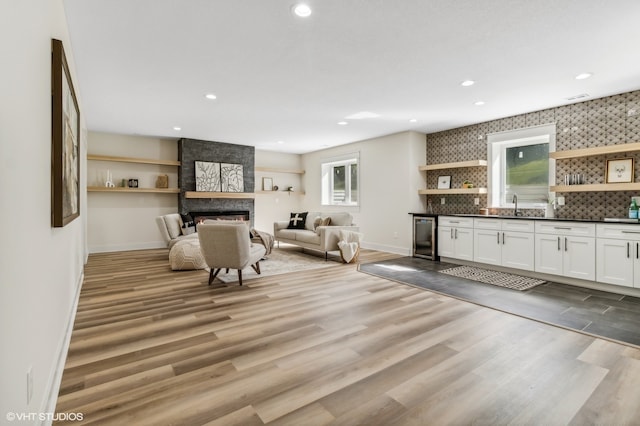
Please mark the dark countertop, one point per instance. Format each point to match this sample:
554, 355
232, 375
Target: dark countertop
560, 219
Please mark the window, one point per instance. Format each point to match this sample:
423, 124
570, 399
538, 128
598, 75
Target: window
519, 165
340, 181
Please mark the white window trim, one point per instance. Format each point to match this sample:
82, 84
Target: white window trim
327, 166
499, 140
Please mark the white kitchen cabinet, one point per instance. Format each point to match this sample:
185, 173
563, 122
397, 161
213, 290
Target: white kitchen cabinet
566, 248
504, 242
618, 255
455, 237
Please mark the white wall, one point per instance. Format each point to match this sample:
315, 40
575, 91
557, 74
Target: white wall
276, 206
40, 267
389, 183
126, 221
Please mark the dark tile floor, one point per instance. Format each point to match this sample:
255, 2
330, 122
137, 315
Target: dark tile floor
609, 315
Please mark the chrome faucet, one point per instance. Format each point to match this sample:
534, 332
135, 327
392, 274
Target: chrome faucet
515, 202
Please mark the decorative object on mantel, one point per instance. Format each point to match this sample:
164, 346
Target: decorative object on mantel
65, 141
162, 181
444, 182
109, 182
207, 176
620, 170
231, 177
267, 184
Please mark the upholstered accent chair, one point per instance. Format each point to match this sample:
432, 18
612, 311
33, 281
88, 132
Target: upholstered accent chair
227, 245
170, 226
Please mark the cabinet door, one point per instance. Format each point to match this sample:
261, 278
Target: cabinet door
635, 246
445, 241
518, 250
548, 254
614, 263
579, 257
487, 246
463, 238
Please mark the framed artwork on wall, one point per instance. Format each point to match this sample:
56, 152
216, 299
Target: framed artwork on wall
207, 176
444, 182
232, 177
65, 141
267, 184
620, 170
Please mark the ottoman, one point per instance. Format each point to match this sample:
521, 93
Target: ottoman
185, 255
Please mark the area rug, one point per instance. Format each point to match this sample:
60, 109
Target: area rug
280, 261
502, 279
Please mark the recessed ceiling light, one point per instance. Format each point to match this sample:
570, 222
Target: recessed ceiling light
342, 123
583, 75
302, 10
280, 142
177, 128
413, 120
361, 115
210, 96
467, 83
479, 103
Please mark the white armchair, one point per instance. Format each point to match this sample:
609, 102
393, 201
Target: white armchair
227, 245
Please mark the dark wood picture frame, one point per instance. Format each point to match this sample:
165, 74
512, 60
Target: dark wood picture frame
65, 141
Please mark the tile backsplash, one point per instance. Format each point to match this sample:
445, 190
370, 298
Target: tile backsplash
612, 120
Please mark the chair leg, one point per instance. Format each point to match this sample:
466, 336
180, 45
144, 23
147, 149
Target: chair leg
240, 276
227, 271
212, 275
256, 267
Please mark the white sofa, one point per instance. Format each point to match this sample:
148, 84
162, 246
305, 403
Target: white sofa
322, 238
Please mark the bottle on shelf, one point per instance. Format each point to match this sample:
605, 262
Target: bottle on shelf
633, 209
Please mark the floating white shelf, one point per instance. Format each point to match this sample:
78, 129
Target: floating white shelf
132, 160
598, 150
275, 170
633, 186
133, 190
453, 191
457, 165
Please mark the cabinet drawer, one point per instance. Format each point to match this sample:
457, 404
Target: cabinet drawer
518, 225
566, 228
457, 222
620, 232
486, 224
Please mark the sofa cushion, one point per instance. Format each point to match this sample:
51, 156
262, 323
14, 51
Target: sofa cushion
309, 237
297, 220
341, 219
311, 218
289, 234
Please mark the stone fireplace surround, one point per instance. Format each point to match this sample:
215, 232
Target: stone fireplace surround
192, 150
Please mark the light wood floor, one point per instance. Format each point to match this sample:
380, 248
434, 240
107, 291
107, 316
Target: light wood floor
329, 346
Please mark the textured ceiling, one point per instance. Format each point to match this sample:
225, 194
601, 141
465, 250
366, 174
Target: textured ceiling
144, 66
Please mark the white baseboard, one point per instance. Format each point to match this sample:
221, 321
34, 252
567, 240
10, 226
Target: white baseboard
55, 377
386, 248
127, 247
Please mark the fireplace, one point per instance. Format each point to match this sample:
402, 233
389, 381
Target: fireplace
243, 215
